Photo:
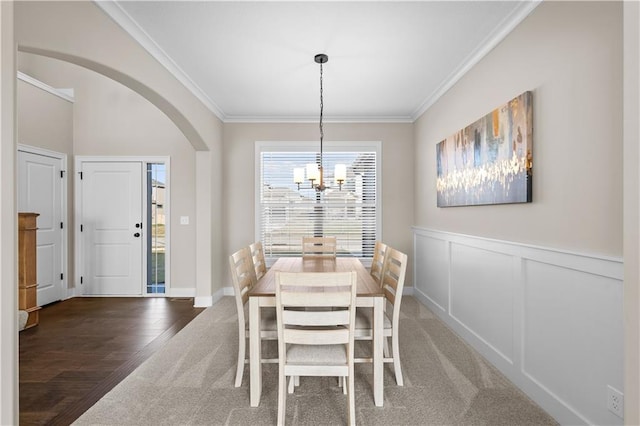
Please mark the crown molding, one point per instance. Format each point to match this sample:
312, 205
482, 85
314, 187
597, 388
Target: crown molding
66, 94
131, 27
314, 119
128, 24
501, 31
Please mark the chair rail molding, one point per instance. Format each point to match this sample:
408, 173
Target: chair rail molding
549, 319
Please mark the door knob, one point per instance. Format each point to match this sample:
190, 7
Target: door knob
137, 234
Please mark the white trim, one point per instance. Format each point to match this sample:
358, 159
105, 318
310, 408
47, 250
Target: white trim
182, 292
42, 151
78, 255
314, 119
492, 40
120, 159
67, 220
131, 27
206, 301
608, 266
311, 146
66, 94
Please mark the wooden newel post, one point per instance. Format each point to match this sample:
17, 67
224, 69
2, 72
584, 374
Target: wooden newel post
27, 267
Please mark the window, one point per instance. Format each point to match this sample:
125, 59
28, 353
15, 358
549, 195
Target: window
285, 213
156, 195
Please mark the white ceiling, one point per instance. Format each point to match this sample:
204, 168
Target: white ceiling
254, 61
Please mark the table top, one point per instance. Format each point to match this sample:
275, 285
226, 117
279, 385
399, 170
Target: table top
367, 286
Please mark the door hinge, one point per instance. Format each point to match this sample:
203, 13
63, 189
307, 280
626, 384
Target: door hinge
80, 175
81, 279
61, 174
61, 276
61, 225
81, 228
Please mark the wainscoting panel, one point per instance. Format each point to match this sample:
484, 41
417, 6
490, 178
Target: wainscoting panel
550, 320
433, 254
572, 329
482, 296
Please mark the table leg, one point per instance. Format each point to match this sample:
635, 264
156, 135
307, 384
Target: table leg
255, 366
378, 355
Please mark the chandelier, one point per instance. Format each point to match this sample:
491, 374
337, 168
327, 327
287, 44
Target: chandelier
315, 172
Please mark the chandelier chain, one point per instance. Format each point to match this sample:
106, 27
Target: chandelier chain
321, 113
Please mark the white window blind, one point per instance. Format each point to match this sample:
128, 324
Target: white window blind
286, 214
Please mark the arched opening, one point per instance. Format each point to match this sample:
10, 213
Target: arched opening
185, 126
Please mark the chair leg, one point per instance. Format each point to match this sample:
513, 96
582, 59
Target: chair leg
292, 382
396, 359
385, 347
242, 343
343, 384
282, 395
351, 398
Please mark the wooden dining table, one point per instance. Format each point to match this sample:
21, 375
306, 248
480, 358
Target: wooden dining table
263, 294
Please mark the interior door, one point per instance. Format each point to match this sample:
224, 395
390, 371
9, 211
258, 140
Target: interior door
40, 189
111, 228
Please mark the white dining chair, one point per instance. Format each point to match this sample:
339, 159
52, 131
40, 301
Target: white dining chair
377, 262
319, 247
316, 316
257, 255
243, 278
392, 282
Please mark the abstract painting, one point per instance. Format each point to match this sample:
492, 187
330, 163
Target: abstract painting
489, 161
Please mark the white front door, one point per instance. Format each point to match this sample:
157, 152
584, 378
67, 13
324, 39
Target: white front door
40, 190
111, 228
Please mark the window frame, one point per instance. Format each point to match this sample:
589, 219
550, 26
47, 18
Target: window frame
313, 146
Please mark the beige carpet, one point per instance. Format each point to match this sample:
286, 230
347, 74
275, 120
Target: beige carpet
190, 382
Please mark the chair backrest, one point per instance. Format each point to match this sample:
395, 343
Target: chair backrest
257, 255
377, 262
319, 247
243, 277
303, 300
394, 270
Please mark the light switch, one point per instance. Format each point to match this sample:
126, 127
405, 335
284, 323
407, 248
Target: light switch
184, 220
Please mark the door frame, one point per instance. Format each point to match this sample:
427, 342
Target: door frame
79, 252
66, 219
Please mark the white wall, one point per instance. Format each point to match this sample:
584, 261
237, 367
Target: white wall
239, 178
112, 120
542, 299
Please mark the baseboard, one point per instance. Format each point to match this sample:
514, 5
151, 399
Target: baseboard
182, 292
206, 301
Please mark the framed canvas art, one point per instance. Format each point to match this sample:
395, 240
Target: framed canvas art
490, 160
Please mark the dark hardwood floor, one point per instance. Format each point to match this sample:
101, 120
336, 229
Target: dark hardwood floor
83, 347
